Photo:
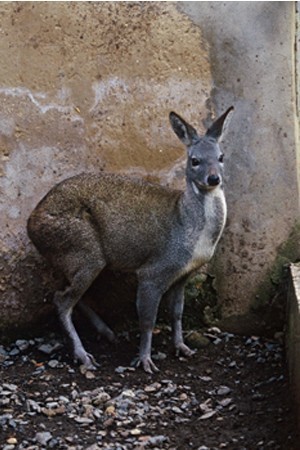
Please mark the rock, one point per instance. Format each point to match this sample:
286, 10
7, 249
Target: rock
225, 402
232, 365
32, 406
3, 354
205, 378
14, 352
12, 441
54, 364
223, 390
183, 396
227, 336
110, 410
152, 387
208, 415
10, 387
22, 344
101, 398
217, 341
93, 447
108, 422
84, 420
206, 406
87, 373
159, 356
127, 393
197, 340
122, 369
214, 330
54, 411
43, 437
157, 440
135, 432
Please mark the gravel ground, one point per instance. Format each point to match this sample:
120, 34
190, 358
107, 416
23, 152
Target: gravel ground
233, 394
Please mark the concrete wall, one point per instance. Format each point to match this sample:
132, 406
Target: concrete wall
252, 61
293, 336
88, 87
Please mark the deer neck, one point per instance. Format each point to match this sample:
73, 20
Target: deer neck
205, 210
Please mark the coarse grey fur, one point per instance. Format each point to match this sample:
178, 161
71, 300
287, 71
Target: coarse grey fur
89, 222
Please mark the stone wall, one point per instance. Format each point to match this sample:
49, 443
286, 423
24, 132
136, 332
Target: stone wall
87, 86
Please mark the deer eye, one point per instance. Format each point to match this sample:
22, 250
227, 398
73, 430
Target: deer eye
221, 158
195, 162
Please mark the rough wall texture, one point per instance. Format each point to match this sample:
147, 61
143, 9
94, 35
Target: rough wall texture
293, 336
251, 51
88, 87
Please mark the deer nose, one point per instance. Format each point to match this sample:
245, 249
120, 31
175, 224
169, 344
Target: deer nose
213, 180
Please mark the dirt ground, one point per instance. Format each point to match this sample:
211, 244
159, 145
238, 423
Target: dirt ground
233, 394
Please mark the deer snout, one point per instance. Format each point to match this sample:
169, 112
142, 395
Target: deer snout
213, 180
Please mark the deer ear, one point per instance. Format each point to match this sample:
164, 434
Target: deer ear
219, 126
186, 133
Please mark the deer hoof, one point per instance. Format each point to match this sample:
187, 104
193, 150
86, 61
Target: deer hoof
147, 364
184, 350
88, 361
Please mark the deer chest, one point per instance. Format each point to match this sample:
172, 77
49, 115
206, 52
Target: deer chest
207, 236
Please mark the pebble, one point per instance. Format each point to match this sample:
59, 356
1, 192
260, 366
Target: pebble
47, 348
225, 402
157, 440
15, 351
223, 390
43, 437
206, 379
208, 415
83, 420
53, 363
159, 356
101, 398
123, 413
152, 387
214, 330
135, 432
122, 369
88, 374
3, 354
197, 340
22, 344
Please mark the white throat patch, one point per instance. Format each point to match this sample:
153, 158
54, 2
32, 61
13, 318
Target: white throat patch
195, 188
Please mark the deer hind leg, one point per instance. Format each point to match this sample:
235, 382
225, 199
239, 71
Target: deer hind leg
65, 301
97, 322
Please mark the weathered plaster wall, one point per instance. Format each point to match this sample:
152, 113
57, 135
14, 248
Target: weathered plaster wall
293, 336
88, 87
251, 47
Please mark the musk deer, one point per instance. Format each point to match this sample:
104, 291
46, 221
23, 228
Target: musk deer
89, 222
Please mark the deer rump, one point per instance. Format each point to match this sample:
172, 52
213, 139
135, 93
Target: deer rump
129, 236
